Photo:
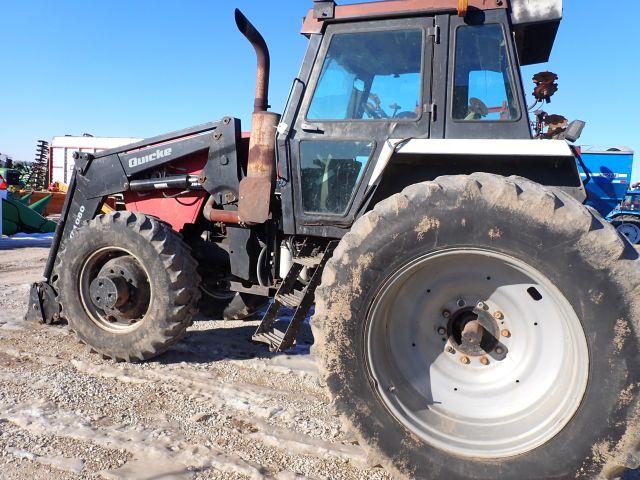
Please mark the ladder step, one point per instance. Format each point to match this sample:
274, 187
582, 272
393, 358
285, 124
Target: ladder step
273, 338
291, 300
310, 262
298, 300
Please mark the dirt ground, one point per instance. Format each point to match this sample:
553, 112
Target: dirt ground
215, 407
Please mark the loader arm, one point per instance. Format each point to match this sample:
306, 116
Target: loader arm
133, 169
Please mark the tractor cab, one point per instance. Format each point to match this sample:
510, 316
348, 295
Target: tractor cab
383, 84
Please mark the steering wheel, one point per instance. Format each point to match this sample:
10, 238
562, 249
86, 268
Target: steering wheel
478, 107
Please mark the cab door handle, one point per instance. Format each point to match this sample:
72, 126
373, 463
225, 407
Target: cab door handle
310, 128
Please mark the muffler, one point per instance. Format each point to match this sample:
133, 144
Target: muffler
256, 189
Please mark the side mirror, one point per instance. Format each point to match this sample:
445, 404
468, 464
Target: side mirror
574, 130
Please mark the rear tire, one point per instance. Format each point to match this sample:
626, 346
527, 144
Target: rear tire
411, 423
152, 264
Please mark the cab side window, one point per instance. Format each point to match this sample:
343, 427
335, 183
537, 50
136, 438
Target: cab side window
370, 76
483, 84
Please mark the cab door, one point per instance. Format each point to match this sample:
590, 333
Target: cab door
370, 82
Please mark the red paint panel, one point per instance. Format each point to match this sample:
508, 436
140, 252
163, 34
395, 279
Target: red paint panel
175, 211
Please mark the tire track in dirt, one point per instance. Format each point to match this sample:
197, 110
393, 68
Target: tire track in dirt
217, 406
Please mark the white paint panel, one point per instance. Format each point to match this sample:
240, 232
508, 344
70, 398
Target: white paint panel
550, 148
62, 162
533, 11
537, 148
99, 143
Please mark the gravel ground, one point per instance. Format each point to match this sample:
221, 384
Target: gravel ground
215, 407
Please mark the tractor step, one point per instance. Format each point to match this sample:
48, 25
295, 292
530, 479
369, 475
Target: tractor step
273, 338
310, 262
293, 296
291, 300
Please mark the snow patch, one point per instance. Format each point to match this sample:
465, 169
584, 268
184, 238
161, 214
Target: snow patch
154, 455
295, 443
72, 465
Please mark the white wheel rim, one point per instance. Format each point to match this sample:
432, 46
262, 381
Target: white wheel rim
521, 399
95, 314
631, 231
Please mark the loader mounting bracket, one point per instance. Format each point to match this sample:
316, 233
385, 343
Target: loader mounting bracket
43, 305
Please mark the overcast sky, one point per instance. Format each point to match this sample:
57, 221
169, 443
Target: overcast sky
136, 69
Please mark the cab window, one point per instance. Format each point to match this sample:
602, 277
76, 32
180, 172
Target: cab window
482, 89
370, 76
330, 172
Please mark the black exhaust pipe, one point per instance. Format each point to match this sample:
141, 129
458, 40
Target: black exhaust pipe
261, 103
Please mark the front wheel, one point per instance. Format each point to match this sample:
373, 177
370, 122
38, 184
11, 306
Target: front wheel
128, 286
497, 325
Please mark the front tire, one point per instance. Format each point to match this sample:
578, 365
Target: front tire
128, 286
548, 390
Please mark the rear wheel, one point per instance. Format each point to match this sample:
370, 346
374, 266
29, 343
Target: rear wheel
128, 286
628, 227
497, 324
487, 325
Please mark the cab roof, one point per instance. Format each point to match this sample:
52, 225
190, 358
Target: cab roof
534, 22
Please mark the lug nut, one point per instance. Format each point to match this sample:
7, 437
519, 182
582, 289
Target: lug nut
461, 303
498, 315
484, 361
442, 330
506, 333
451, 350
482, 306
465, 360
446, 314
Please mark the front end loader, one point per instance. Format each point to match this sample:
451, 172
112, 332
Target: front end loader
473, 319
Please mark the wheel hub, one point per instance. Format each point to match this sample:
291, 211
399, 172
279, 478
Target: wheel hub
109, 292
473, 331
115, 289
631, 231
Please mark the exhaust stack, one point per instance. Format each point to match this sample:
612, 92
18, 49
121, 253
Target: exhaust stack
256, 189
264, 60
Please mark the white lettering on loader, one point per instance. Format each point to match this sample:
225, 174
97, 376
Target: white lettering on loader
157, 155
